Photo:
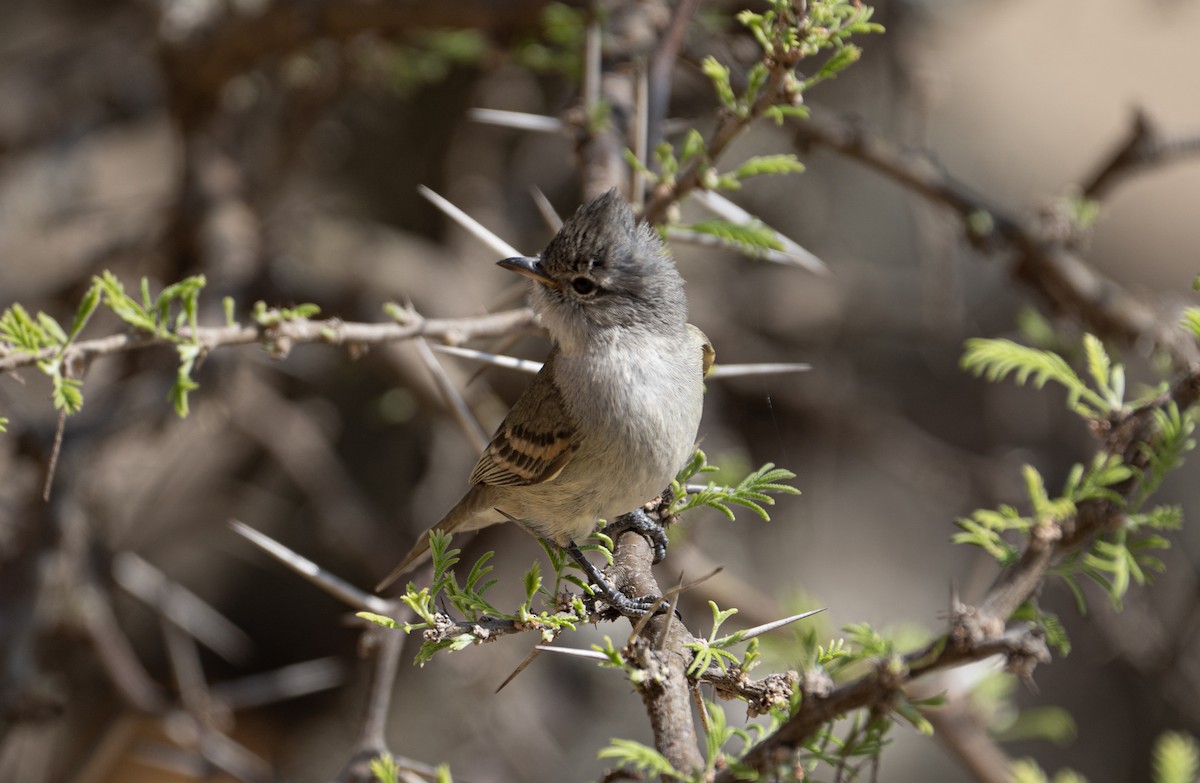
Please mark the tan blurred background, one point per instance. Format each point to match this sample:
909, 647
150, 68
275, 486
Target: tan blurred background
297, 183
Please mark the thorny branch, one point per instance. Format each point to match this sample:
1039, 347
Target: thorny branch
282, 336
1046, 259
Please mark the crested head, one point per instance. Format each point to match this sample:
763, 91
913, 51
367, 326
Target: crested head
608, 270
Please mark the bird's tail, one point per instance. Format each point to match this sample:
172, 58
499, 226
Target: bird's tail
464, 516
415, 557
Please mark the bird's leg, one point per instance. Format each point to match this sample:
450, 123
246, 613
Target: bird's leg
630, 607
640, 521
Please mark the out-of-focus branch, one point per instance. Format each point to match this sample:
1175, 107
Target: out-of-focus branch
1143, 149
200, 57
662, 65
961, 730
1048, 263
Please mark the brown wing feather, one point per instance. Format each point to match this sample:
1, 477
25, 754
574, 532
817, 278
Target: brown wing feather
534, 442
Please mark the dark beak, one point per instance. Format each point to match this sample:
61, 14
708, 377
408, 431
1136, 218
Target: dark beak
529, 267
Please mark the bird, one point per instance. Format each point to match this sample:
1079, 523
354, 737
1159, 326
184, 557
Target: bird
613, 413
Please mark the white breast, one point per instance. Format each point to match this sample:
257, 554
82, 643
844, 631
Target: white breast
638, 402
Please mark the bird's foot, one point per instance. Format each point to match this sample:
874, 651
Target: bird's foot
604, 590
639, 521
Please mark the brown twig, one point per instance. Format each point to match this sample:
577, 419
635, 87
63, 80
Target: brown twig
961, 729
1144, 148
280, 337
1044, 261
662, 63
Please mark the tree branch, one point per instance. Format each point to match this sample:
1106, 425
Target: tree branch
1047, 262
282, 336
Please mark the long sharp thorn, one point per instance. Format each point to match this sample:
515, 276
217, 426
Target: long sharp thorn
509, 362
335, 586
759, 630
553, 221
575, 652
535, 652
472, 225
538, 123
763, 368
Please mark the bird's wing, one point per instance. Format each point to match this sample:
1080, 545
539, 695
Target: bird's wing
534, 442
707, 353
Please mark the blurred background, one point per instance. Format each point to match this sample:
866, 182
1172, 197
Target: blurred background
276, 148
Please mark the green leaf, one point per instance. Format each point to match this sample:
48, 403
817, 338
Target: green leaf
183, 385
693, 147
533, 581
749, 493
756, 79
380, 620
839, 61
1098, 363
1176, 758
632, 159
995, 359
668, 164
67, 393
719, 75
123, 305
384, 768
978, 531
1191, 321
769, 164
52, 329
1164, 453
86, 307
752, 238
643, 758
906, 710
780, 112
24, 332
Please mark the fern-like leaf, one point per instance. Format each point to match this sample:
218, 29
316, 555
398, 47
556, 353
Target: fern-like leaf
1176, 758
769, 165
996, 359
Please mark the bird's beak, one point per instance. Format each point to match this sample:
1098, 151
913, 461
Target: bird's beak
531, 268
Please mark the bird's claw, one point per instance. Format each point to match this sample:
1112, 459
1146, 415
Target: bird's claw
638, 521
626, 606
603, 589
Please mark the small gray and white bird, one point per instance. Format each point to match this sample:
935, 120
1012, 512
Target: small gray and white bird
612, 415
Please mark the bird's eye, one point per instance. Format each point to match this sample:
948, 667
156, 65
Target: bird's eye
583, 286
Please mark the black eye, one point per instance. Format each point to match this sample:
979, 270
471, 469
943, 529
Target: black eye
583, 286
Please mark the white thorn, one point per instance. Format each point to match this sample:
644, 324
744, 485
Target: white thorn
576, 652
765, 368
509, 362
334, 585
472, 225
759, 630
517, 119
